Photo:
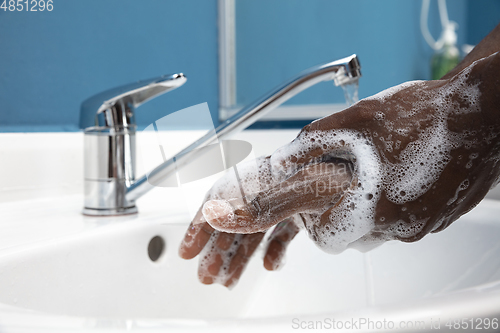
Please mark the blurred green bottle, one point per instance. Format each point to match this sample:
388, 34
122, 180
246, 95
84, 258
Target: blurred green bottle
448, 56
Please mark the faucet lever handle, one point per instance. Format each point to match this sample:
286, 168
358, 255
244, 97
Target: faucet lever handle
115, 106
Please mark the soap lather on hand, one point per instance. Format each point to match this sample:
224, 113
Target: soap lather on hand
395, 166
313, 187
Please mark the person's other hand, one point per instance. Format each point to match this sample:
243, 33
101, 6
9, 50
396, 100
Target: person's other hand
224, 255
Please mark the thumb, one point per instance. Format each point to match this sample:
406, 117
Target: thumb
315, 187
338, 135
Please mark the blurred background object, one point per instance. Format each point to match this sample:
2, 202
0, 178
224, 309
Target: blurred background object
447, 55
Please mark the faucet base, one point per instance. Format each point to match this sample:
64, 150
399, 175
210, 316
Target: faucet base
109, 212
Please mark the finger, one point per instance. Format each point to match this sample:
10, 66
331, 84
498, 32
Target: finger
282, 235
249, 244
195, 239
211, 260
224, 264
225, 240
318, 140
214, 258
315, 187
336, 228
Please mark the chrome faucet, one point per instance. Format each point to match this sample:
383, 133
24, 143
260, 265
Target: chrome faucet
109, 127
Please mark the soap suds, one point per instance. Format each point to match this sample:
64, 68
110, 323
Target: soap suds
353, 216
220, 211
422, 161
253, 176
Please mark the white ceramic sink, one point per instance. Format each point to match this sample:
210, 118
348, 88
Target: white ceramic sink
60, 270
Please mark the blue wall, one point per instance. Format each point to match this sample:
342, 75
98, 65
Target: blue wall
482, 17
385, 34
51, 61
299, 34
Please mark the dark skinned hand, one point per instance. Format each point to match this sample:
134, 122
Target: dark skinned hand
398, 165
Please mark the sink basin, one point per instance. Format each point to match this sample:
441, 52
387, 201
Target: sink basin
62, 270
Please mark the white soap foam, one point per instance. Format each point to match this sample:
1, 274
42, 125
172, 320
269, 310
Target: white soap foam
423, 160
252, 177
419, 165
354, 215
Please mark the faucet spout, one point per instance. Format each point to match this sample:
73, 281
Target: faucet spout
342, 72
108, 118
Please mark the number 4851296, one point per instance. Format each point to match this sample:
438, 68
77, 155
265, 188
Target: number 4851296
27, 5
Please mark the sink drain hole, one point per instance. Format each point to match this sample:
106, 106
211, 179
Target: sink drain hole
156, 247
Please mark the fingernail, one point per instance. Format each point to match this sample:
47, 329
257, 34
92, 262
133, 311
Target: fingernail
206, 280
217, 211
